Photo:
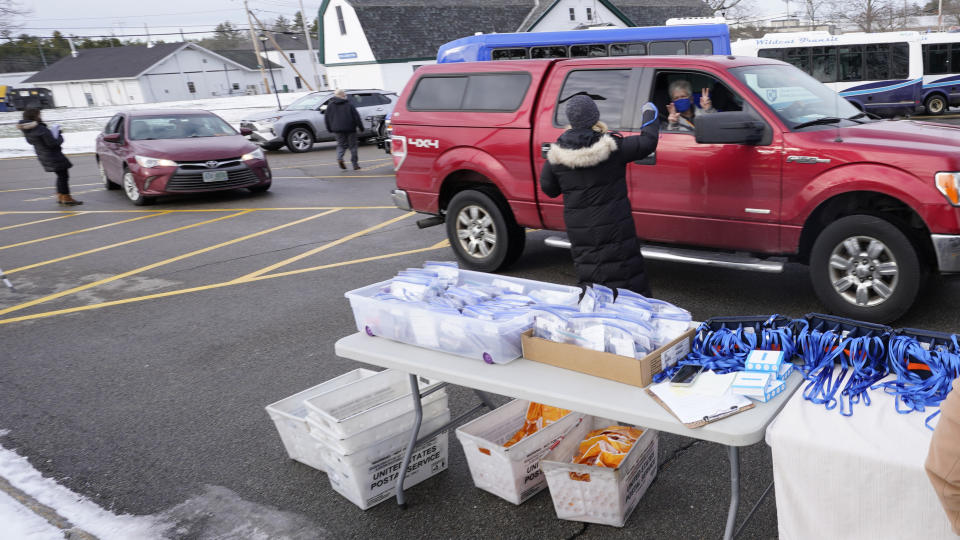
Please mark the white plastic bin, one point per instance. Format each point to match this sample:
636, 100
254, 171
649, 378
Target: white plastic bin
289, 415
367, 403
510, 473
599, 494
370, 476
432, 408
493, 342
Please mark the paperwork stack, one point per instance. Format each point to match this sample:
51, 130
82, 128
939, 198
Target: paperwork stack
360, 431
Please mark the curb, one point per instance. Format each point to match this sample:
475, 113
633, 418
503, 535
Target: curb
49, 514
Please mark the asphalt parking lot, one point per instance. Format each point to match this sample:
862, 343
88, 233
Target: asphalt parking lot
142, 343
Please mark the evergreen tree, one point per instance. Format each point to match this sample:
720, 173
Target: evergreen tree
281, 24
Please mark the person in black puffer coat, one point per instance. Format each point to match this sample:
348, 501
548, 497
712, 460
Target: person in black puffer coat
343, 120
48, 151
588, 166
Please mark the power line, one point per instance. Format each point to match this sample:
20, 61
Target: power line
74, 36
127, 16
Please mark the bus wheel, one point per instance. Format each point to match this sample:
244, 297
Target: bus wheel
935, 104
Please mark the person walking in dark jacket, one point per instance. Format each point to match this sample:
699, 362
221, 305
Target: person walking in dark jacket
47, 145
343, 120
588, 166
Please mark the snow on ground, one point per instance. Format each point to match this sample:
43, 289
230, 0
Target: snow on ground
81, 125
20, 522
80, 511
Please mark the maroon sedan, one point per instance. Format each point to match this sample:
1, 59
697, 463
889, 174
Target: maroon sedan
164, 152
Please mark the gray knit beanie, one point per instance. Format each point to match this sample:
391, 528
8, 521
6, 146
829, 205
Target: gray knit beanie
582, 112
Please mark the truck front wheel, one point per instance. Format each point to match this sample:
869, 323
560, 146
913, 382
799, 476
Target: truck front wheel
483, 234
865, 268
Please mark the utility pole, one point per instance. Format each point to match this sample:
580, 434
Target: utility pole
940, 16
256, 46
43, 57
269, 35
313, 57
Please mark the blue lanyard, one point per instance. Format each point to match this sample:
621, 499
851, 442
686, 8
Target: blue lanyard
911, 391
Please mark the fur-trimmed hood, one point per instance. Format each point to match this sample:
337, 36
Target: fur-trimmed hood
581, 156
26, 126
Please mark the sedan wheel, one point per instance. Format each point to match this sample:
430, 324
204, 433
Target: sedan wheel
132, 191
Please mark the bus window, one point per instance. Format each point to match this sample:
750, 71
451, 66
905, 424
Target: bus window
608, 89
553, 51
900, 61
824, 63
776, 54
877, 61
850, 59
582, 51
700, 46
628, 49
799, 57
936, 59
665, 48
509, 54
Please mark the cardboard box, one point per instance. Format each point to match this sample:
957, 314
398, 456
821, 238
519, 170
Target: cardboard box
607, 365
599, 494
510, 473
760, 360
758, 385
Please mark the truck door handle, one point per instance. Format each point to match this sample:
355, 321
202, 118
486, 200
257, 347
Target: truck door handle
544, 148
806, 159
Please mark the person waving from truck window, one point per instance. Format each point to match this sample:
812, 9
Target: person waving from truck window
682, 110
343, 120
588, 166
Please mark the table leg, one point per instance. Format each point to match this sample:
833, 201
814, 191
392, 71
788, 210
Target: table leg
418, 408
734, 491
485, 399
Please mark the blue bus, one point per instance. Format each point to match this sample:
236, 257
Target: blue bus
646, 40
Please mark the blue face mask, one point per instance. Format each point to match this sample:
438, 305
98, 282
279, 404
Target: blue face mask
682, 105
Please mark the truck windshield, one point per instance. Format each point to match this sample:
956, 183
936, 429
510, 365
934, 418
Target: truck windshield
801, 101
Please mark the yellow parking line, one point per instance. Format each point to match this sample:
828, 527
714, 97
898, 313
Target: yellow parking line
142, 238
316, 250
78, 231
209, 210
134, 271
47, 188
206, 287
38, 221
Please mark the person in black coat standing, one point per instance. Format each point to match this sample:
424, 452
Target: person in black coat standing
343, 120
47, 145
588, 166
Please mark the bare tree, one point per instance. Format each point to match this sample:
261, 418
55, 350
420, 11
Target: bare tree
813, 9
10, 13
872, 15
721, 5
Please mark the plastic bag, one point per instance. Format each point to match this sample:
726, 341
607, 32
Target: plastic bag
538, 417
607, 447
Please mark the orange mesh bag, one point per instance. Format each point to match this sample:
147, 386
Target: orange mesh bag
607, 447
538, 417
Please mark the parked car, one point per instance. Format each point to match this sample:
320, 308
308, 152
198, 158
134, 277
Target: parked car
785, 171
161, 152
299, 125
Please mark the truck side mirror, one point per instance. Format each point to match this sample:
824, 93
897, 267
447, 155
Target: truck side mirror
729, 128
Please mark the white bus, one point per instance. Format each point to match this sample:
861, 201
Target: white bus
880, 73
941, 70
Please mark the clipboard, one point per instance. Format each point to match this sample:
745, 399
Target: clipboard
706, 419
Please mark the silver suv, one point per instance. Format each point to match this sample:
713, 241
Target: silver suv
300, 124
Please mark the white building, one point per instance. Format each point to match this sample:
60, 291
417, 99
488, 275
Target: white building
307, 73
380, 43
147, 74
16, 79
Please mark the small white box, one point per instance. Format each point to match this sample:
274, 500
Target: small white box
785, 370
758, 360
510, 473
757, 385
289, 415
599, 494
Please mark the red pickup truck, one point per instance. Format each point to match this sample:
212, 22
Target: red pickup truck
783, 170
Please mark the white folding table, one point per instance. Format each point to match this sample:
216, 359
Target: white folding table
542, 383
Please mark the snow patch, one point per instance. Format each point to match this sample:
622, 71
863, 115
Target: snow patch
21, 523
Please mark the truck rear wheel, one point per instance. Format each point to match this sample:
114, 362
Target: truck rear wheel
865, 268
483, 234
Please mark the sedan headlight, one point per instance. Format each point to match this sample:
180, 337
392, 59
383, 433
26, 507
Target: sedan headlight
149, 162
949, 184
271, 120
256, 154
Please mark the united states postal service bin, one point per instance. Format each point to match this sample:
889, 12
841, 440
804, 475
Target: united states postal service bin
289, 416
369, 477
599, 494
510, 473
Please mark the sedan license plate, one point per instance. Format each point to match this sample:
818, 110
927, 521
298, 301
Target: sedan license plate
214, 176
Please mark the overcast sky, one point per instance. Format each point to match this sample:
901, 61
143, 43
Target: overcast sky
96, 17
